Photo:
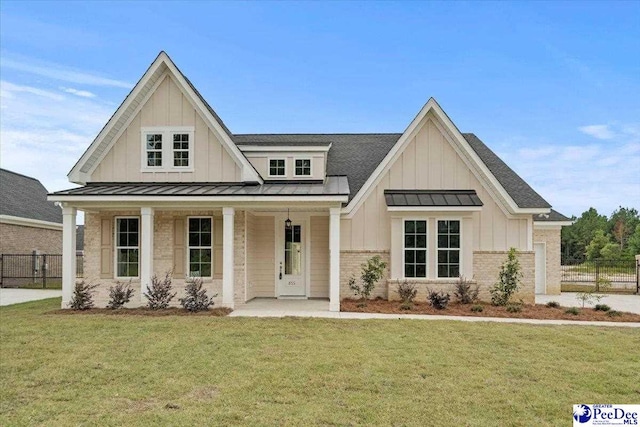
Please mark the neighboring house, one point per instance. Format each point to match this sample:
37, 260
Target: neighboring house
166, 187
28, 222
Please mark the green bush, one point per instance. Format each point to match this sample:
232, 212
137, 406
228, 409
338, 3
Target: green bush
372, 272
614, 313
508, 280
553, 304
572, 310
438, 300
119, 295
82, 298
514, 308
465, 292
477, 308
601, 307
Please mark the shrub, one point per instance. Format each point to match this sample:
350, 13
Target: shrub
438, 300
477, 308
588, 297
82, 298
372, 271
196, 298
514, 308
119, 295
465, 292
602, 307
553, 304
407, 292
508, 280
159, 293
572, 310
614, 313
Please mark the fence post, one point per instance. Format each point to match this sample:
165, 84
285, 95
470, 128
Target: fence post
597, 262
44, 271
1, 269
637, 274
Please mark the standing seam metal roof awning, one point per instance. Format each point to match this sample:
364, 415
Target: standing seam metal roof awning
432, 198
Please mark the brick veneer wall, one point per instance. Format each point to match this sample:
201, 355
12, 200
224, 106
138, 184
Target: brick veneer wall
350, 265
423, 286
486, 266
552, 239
19, 239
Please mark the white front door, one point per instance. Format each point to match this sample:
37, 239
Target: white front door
541, 267
291, 268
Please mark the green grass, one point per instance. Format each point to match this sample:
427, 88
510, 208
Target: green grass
49, 285
59, 369
575, 287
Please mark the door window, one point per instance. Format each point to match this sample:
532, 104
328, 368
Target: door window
292, 251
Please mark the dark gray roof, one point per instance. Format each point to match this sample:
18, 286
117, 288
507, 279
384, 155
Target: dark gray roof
551, 216
333, 186
450, 198
518, 189
275, 140
26, 197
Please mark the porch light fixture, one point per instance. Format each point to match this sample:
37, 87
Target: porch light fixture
287, 222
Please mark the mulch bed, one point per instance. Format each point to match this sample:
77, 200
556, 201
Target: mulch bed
141, 311
537, 311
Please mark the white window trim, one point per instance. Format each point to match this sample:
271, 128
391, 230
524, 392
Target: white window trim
167, 148
460, 246
269, 159
310, 167
116, 247
188, 247
426, 272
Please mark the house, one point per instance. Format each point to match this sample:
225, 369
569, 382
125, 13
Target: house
28, 222
166, 186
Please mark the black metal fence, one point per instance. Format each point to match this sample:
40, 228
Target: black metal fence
603, 275
17, 270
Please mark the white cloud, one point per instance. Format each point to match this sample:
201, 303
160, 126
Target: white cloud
62, 73
8, 90
598, 131
77, 92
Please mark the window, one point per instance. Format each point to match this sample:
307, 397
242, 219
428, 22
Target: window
303, 167
277, 167
181, 149
154, 150
448, 248
127, 247
200, 247
415, 248
167, 148
293, 250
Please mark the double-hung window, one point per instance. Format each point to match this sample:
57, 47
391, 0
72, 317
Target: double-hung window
303, 167
200, 247
448, 248
277, 167
127, 247
167, 149
415, 248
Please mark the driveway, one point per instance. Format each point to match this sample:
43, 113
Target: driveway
10, 296
630, 303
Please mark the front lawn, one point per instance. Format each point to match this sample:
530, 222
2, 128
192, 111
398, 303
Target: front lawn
203, 370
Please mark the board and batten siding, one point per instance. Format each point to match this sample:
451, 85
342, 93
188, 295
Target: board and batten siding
430, 162
260, 161
167, 106
260, 256
319, 273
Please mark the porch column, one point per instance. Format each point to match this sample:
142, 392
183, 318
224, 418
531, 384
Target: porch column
334, 259
228, 273
146, 250
68, 254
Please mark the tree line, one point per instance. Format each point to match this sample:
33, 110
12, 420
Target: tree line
594, 236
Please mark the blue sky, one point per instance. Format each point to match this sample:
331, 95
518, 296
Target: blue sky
551, 87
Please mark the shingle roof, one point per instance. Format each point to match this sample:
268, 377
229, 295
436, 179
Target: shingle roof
518, 189
332, 186
551, 216
26, 197
448, 198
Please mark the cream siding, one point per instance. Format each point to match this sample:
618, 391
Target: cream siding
167, 106
260, 256
260, 160
319, 273
430, 162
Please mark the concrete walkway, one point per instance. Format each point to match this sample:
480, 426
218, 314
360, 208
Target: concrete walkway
629, 303
10, 296
265, 307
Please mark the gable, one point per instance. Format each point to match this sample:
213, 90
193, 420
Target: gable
167, 107
145, 89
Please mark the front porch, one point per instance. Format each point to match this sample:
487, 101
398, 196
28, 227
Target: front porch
273, 307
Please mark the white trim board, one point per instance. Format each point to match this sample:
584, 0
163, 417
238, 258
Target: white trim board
28, 222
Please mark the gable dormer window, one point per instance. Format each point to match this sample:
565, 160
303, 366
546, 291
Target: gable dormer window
277, 167
303, 167
167, 149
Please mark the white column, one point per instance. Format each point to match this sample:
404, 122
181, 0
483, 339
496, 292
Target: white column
68, 254
334, 259
146, 250
228, 273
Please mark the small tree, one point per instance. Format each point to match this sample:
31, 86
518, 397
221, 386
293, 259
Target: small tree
508, 280
372, 271
407, 292
159, 293
119, 295
82, 298
196, 298
588, 297
465, 292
